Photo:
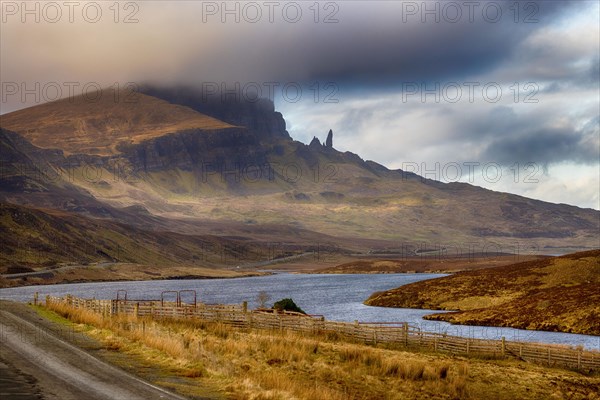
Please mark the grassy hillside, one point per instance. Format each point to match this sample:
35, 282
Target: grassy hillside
42, 239
84, 124
554, 294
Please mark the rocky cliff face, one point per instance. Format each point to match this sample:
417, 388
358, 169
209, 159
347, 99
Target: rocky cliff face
258, 116
193, 149
315, 143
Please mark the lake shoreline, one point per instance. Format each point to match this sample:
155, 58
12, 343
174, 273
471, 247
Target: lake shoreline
368, 264
119, 273
336, 297
558, 294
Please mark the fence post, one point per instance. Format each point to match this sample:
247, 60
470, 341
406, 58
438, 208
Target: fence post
579, 359
521, 350
35, 298
47, 300
245, 306
136, 310
435, 343
548, 356
467, 345
503, 345
405, 326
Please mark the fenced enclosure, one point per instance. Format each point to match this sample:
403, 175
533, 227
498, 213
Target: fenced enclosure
171, 305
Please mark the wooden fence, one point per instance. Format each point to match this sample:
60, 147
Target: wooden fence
372, 333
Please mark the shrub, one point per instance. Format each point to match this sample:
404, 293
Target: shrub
287, 305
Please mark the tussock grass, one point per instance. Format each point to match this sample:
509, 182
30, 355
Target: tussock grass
79, 315
255, 364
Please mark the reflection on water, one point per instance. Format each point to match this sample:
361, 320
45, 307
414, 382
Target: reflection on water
337, 297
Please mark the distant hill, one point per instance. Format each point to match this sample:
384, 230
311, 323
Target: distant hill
553, 294
34, 238
426, 264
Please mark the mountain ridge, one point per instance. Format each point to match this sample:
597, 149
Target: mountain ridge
258, 175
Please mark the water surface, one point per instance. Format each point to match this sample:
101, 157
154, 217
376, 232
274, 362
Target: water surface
338, 297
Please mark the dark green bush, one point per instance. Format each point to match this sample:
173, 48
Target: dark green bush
287, 305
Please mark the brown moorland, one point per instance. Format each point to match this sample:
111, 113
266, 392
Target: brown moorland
552, 294
425, 264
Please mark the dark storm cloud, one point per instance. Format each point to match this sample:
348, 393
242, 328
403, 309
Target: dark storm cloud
377, 43
501, 121
507, 137
545, 146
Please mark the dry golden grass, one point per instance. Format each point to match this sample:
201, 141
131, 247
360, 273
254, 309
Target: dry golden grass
554, 294
249, 364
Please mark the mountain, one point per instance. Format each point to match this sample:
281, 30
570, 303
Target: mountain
174, 159
555, 294
100, 123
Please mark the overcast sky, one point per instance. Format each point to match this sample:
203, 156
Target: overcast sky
504, 95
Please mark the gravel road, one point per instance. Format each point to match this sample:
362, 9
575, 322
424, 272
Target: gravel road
38, 361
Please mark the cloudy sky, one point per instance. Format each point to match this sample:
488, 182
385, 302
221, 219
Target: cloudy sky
504, 95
